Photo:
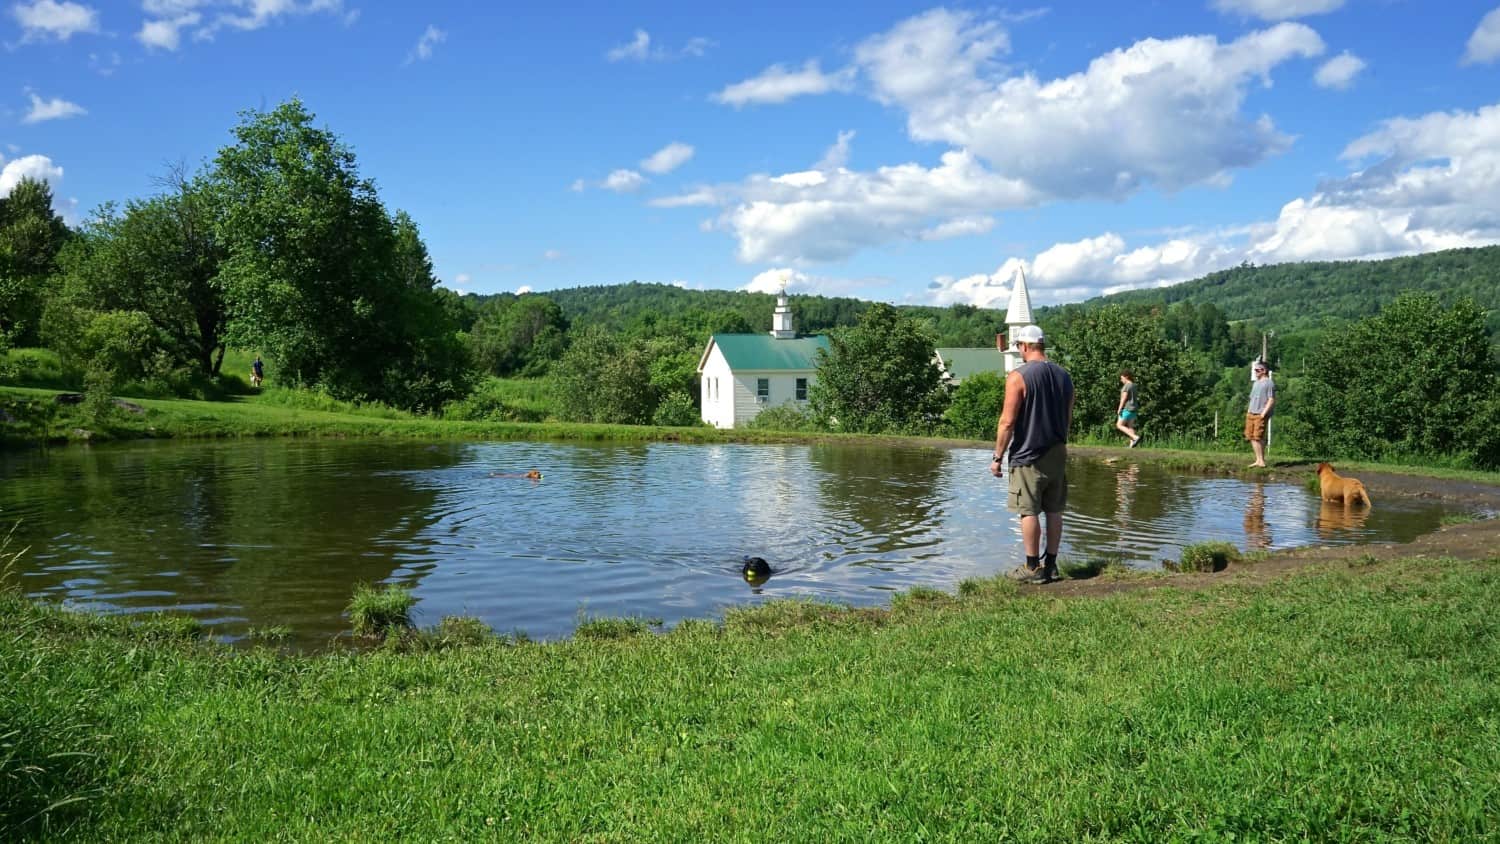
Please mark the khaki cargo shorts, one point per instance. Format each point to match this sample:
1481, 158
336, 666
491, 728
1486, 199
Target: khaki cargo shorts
1255, 427
1041, 487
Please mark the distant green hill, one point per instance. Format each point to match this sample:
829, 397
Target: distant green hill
1295, 297
1285, 298
627, 306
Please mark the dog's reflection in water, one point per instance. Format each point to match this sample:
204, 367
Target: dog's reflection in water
1335, 517
756, 571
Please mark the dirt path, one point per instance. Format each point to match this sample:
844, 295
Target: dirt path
1478, 540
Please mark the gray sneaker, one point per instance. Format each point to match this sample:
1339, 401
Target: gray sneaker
1027, 574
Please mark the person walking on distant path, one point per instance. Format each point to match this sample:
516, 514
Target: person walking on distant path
1128, 414
1258, 414
257, 372
1033, 428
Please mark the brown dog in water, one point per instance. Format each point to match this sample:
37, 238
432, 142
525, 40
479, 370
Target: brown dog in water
1336, 487
532, 475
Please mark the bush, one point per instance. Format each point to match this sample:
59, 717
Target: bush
784, 417
1208, 556
380, 612
976, 407
503, 400
98, 397
677, 410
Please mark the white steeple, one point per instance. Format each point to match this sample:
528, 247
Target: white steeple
781, 318
1017, 315
1019, 312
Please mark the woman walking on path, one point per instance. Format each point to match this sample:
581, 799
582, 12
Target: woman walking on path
1127, 409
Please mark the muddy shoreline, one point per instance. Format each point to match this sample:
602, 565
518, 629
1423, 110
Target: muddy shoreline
1477, 540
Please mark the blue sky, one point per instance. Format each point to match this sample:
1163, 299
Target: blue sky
902, 152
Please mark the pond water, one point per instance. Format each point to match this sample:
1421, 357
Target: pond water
263, 533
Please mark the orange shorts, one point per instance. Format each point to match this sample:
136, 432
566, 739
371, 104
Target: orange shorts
1255, 427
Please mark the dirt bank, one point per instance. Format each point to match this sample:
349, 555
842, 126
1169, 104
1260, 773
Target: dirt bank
1478, 540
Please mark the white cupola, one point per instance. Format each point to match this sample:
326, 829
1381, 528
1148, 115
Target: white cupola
781, 319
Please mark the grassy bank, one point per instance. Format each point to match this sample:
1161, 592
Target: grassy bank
276, 412
1349, 703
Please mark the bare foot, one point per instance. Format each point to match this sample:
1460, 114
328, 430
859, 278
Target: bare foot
1256, 466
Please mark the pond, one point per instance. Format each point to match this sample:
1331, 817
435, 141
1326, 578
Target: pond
265, 533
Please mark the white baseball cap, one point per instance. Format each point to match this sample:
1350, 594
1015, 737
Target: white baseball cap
1028, 334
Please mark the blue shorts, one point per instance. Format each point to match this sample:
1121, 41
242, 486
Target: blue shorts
1127, 416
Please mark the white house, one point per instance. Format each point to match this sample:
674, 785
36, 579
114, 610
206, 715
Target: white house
742, 374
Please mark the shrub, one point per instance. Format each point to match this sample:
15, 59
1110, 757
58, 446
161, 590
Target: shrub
98, 398
784, 417
976, 407
677, 411
1208, 556
379, 612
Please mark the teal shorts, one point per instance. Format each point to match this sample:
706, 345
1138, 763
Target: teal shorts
1127, 416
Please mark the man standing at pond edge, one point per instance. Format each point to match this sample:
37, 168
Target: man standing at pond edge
1034, 425
1258, 414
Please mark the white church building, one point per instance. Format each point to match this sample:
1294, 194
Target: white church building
742, 374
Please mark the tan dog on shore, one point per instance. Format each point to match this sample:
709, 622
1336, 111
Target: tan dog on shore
1336, 487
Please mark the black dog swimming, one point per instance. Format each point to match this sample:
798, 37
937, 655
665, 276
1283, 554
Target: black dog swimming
756, 570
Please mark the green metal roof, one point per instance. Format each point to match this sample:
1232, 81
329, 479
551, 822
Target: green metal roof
760, 352
961, 363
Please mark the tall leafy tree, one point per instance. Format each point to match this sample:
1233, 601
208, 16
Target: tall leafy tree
518, 336
1410, 380
319, 276
159, 259
879, 375
31, 235
603, 377
1094, 345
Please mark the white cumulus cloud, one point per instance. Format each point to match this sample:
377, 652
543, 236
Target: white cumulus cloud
49, 19
38, 167
776, 84
1484, 44
1419, 184
1166, 112
623, 181
1339, 72
668, 158
1277, 10
824, 216
167, 20
56, 108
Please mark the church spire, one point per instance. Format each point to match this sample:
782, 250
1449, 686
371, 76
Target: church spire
1016, 316
1019, 313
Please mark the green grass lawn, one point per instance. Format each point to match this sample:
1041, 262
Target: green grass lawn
1350, 703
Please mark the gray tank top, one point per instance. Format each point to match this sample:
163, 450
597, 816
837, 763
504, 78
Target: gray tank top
1043, 420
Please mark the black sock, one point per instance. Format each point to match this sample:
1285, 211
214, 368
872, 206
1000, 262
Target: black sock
1033, 562
1051, 559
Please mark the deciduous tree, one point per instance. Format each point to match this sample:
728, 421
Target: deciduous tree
879, 375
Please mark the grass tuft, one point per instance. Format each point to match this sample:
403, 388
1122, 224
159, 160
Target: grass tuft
1090, 568
1208, 556
613, 629
919, 597
380, 612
